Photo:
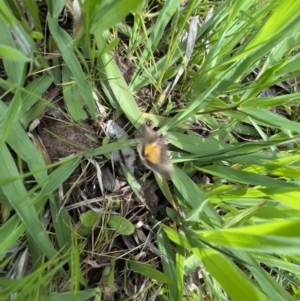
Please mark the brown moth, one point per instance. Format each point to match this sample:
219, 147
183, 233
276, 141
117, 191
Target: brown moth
152, 149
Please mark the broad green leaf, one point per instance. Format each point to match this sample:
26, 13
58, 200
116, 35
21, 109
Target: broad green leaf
89, 218
121, 225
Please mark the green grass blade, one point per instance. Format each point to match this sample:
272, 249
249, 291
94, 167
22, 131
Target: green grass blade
10, 232
57, 177
16, 195
194, 197
81, 295
115, 11
72, 97
270, 119
119, 88
10, 116
34, 12
232, 279
168, 262
149, 272
280, 237
34, 91
65, 45
265, 280
180, 258
245, 177
10, 53
61, 223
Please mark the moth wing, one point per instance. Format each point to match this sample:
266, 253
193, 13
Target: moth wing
165, 167
162, 141
147, 135
165, 170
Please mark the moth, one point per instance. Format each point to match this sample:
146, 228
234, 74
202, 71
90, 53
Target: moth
152, 149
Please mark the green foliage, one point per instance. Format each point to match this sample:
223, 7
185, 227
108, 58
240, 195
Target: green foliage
121, 225
235, 191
